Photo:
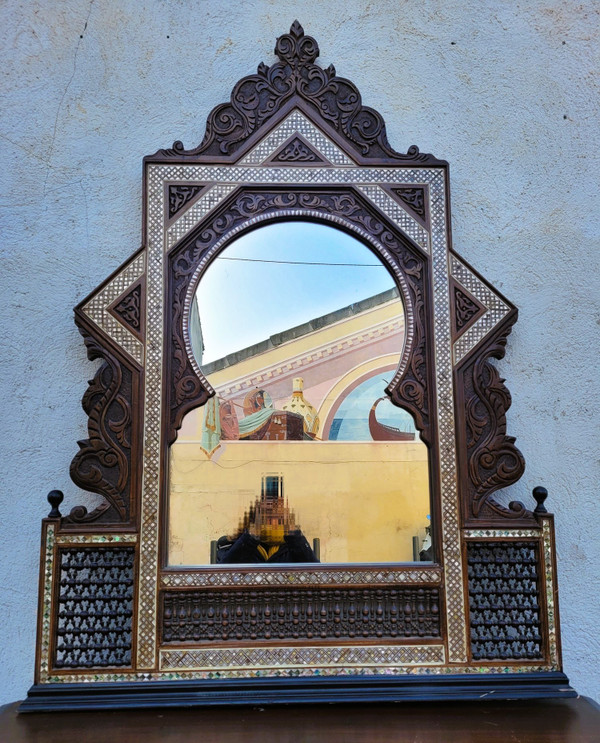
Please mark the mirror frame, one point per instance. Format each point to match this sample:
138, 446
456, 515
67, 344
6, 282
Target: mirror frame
295, 142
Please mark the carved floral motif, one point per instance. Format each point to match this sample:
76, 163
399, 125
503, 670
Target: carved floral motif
493, 460
414, 198
102, 464
465, 310
181, 194
296, 151
257, 97
129, 309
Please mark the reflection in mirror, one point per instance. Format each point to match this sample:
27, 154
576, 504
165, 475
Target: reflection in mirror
300, 457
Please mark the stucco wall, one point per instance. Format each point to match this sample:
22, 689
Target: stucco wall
507, 92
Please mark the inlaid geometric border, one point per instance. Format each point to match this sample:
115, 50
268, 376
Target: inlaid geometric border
194, 659
548, 547
294, 124
228, 673
397, 213
67, 539
44, 666
496, 309
97, 308
499, 533
362, 576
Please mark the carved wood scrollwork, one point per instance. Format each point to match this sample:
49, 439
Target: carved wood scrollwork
103, 464
257, 97
491, 457
186, 391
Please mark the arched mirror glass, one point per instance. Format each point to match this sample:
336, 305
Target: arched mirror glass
300, 456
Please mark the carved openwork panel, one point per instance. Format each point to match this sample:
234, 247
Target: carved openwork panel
297, 428
94, 608
504, 601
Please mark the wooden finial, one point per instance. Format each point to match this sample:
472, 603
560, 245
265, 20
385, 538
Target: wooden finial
540, 494
55, 498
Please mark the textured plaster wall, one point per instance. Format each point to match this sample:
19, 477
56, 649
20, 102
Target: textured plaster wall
507, 92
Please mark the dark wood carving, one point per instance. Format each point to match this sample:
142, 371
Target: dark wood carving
186, 391
302, 614
129, 310
492, 459
297, 151
180, 195
94, 607
103, 463
257, 98
504, 601
413, 198
466, 309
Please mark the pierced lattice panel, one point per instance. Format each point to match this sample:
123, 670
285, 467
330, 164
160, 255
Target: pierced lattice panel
504, 601
94, 608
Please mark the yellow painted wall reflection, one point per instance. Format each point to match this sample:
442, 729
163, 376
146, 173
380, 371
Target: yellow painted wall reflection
363, 500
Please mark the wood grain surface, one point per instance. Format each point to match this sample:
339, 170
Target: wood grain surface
559, 721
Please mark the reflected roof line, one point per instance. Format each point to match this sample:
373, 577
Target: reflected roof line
277, 339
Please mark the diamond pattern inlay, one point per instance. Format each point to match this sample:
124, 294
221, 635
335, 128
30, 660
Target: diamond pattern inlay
548, 547
392, 209
291, 657
496, 309
46, 604
216, 578
296, 123
97, 309
67, 539
197, 212
499, 533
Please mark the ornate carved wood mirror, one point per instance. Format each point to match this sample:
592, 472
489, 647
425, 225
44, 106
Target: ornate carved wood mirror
297, 432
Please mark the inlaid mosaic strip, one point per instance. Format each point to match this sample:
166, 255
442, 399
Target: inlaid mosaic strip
455, 609
97, 309
147, 582
229, 177
496, 309
296, 123
499, 533
46, 604
548, 547
67, 539
228, 673
216, 578
298, 657
399, 216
